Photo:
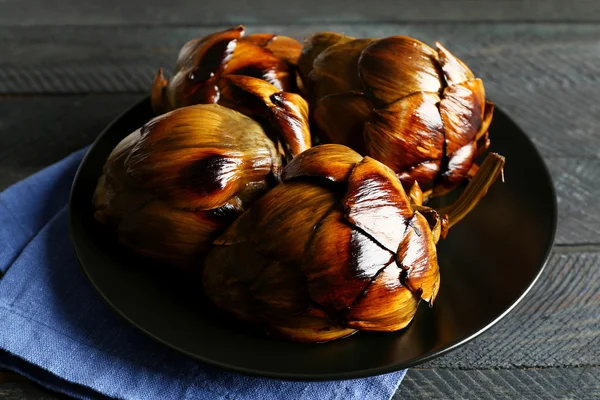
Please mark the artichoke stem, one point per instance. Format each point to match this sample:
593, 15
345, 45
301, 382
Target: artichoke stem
486, 175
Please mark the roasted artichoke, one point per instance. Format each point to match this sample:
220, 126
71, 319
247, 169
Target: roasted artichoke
169, 188
337, 247
337, 240
203, 62
419, 111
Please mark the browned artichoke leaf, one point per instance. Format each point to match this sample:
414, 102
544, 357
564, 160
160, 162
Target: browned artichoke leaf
279, 291
183, 91
251, 60
462, 109
200, 156
158, 97
376, 203
406, 132
249, 95
115, 195
335, 70
115, 163
229, 272
239, 231
285, 48
483, 144
330, 161
398, 66
438, 224
211, 49
415, 195
341, 117
259, 39
340, 262
112, 200
176, 237
455, 71
423, 173
457, 170
284, 219
417, 256
488, 114
286, 112
313, 326
386, 305
199, 64
315, 45
290, 116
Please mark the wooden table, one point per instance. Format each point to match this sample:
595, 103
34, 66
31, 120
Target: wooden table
68, 68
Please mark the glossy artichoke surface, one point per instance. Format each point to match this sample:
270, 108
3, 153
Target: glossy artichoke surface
339, 246
203, 62
169, 188
283, 115
418, 110
313, 244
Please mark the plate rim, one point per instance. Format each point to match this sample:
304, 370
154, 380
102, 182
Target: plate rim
363, 373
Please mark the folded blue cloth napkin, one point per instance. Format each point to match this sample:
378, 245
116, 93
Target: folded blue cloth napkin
56, 330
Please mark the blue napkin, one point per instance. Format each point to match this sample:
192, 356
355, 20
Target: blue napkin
55, 329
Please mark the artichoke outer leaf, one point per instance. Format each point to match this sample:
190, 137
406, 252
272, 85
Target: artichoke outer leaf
376, 203
462, 109
341, 118
198, 157
397, 66
407, 133
251, 60
340, 262
285, 219
417, 256
335, 70
333, 162
314, 45
386, 305
455, 71
284, 48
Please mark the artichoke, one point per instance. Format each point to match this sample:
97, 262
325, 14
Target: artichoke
172, 186
203, 62
419, 111
338, 246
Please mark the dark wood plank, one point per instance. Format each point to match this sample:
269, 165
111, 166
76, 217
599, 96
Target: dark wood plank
577, 183
35, 132
556, 325
513, 384
153, 12
25, 390
510, 57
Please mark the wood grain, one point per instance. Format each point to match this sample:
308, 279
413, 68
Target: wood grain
157, 12
556, 325
24, 390
36, 132
513, 384
124, 59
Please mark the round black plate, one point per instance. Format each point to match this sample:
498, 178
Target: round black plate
488, 262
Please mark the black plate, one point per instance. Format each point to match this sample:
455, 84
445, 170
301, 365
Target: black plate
488, 263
